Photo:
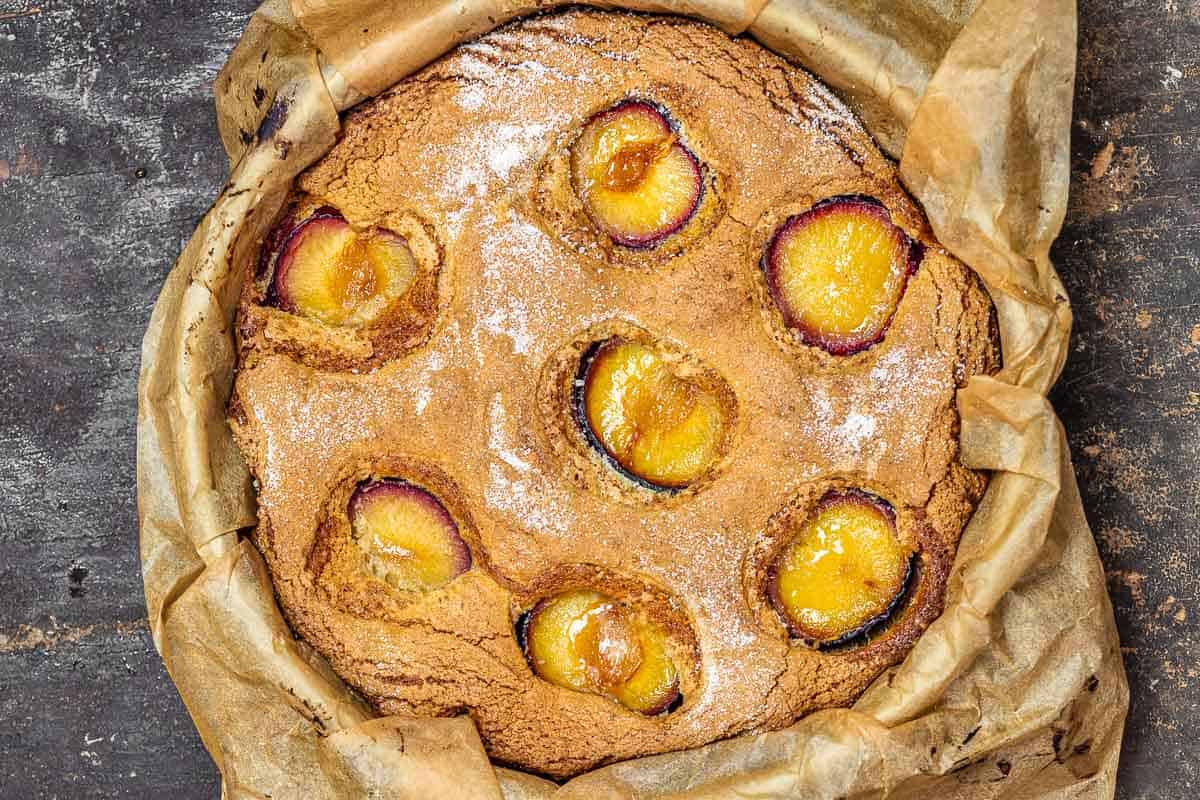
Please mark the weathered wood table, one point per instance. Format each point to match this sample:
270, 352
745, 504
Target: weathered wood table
109, 156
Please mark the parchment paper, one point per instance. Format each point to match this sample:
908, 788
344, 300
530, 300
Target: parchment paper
1017, 691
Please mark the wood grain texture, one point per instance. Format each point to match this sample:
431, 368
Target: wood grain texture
109, 155
1130, 396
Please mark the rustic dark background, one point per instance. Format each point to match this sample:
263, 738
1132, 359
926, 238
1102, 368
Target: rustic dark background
109, 156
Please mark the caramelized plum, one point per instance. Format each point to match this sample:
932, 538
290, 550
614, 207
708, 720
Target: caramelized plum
653, 688
637, 181
844, 572
411, 535
837, 273
589, 642
658, 427
339, 276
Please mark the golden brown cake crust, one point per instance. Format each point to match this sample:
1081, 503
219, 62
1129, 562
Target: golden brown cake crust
473, 405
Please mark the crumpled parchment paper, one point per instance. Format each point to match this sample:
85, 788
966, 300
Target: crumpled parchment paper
1017, 691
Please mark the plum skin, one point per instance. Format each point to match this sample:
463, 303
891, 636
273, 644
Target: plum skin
769, 264
650, 240
670, 702
461, 552
578, 402
290, 237
281, 237
579, 407
862, 632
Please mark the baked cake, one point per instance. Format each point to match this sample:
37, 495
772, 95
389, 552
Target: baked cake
599, 384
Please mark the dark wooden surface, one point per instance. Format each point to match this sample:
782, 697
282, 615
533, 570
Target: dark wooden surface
108, 157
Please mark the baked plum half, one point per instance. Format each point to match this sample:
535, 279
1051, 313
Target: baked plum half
328, 271
659, 428
844, 572
837, 272
590, 642
412, 537
637, 181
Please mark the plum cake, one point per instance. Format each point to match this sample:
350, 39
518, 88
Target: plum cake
599, 384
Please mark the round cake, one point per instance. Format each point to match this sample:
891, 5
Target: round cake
600, 384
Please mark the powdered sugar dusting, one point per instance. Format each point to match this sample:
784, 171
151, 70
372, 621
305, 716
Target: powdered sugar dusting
515, 499
427, 364
856, 429
424, 394
899, 387
514, 244
480, 162
512, 322
515, 487
497, 438
903, 376
902, 383
471, 97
